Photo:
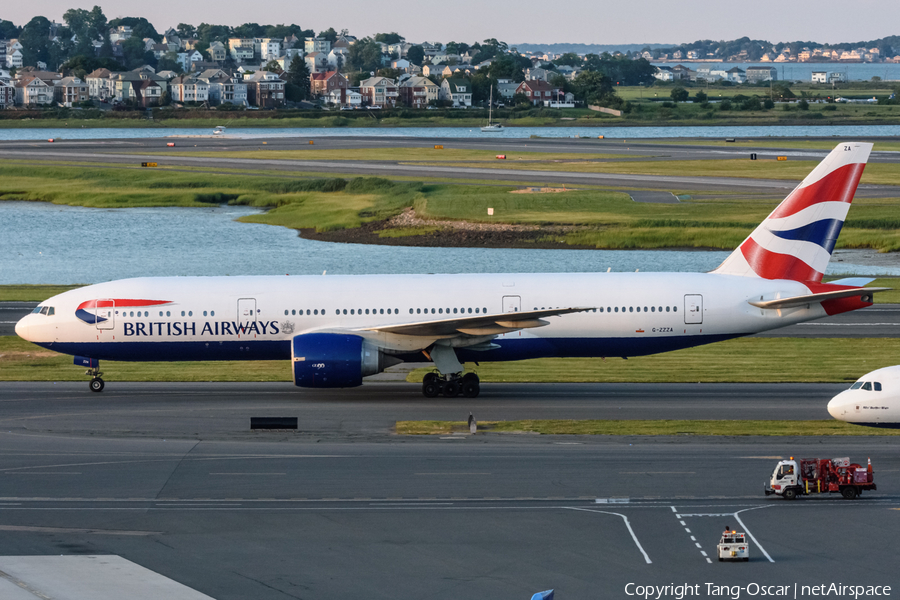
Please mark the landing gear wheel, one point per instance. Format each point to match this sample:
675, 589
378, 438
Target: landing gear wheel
430, 389
96, 384
470, 389
451, 388
849, 492
790, 494
430, 378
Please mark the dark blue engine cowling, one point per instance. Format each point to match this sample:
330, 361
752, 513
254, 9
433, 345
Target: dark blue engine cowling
327, 360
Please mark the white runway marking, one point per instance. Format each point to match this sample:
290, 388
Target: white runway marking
758, 545
627, 524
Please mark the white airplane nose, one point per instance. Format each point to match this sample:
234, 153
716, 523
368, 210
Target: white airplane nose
835, 406
22, 328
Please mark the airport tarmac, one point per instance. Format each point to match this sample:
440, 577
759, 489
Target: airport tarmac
169, 477
113, 153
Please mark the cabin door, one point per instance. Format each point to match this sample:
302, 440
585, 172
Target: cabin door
512, 304
693, 309
247, 310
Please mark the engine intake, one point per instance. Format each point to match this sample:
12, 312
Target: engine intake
329, 360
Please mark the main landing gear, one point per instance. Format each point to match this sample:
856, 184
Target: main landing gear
434, 384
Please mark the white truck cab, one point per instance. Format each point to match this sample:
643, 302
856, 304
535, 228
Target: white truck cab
784, 479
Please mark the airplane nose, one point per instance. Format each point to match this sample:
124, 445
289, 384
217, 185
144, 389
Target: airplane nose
835, 406
22, 328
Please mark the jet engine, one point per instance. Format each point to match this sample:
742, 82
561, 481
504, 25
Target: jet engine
329, 360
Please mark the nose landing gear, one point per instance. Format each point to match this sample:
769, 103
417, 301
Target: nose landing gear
96, 382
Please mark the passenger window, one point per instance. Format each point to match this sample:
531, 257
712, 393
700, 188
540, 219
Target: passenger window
132, 314
190, 313
160, 313
345, 311
432, 311
667, 309
652, 309
168, 313
470, 311
674, 309
630, 309
351, 311
212, 313
204, 313
454, 311
440, 310
645, 309
418, 311
182, 314
476, 311
382, 311
483, 310
876, 384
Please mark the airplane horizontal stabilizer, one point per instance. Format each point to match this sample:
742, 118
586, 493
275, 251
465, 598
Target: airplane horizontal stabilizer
820, 297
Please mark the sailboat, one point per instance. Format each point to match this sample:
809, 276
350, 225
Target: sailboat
491, 126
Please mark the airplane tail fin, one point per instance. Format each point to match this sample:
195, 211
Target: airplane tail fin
797, 238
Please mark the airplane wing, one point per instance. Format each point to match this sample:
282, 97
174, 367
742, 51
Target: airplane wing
478, 325
820, 297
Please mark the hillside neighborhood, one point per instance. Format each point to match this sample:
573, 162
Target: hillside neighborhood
87, 61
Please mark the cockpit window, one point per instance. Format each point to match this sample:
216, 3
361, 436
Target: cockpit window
856, 385
877, 386
51, 311
867, 386
44, 310
37, 310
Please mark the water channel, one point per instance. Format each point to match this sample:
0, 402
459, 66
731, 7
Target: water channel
47, 243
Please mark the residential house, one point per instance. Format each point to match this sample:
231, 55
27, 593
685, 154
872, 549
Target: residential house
418, 92
736, 75
431, 49
379, 91
131, 86
507, 88
265, 89
666, 74
353, 98
537, 91
120, 33
693, 55
32, 91
401, 64
757, 74
70, 90
433, 69
267, 49
217, 52
4, 75
317, 44
7, 94
242, 49
337, 58
316, 61
683, 72
185, 59
224, 88
14, 59
188, 88
539, 73
329, 83
158, 50
820, 76
457, 91
98, 84
203, 65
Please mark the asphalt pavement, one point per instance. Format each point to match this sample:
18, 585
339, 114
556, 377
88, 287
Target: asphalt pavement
169, 477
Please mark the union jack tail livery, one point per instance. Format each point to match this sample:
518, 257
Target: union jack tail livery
795, 241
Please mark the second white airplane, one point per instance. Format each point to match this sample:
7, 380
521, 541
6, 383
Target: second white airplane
335, 330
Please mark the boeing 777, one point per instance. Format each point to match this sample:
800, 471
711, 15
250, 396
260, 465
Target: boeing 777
336, 330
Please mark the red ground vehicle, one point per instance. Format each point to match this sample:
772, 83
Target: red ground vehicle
820, 476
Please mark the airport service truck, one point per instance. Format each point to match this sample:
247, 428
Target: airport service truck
792, 478
733, 546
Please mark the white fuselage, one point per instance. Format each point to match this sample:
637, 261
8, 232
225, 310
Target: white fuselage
874, 400
254, 318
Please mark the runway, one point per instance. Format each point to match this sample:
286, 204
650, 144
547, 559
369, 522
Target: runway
132, 152
169, 477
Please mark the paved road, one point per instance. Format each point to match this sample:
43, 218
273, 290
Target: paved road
153, 150
169, 478
881, 320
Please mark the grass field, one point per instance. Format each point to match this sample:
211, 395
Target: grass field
612, 220
759, 360
648, 427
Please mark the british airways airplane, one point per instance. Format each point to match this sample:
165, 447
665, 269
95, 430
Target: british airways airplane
873, 401
336, 330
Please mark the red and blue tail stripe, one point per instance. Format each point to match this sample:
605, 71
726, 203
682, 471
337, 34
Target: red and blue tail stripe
797, 239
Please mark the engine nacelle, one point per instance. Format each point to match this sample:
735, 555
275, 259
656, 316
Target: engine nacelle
327, 360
